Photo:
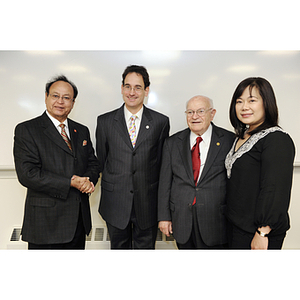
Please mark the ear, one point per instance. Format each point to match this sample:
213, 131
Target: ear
147, 91
213, 112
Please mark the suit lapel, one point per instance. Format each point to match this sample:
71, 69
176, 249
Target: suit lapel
185, 152
145, 127
52, 133
121, 126
214, 149
73, 135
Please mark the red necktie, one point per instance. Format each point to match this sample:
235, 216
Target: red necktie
196, 161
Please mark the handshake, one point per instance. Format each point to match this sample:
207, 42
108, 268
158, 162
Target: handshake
83, 184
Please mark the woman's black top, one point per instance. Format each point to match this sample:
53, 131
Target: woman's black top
260, 179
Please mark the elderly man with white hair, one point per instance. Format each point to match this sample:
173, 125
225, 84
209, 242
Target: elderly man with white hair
192, 187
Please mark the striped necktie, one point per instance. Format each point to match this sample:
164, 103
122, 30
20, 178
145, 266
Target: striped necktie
132, 130
64, 135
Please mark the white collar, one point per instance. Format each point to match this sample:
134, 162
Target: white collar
55, 121
128, 114
206, 136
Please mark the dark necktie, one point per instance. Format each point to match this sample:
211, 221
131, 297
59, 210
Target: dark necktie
64, 136
196, 161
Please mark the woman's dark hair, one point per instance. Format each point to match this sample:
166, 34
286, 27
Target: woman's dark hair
61, 78
269, 101
139, 70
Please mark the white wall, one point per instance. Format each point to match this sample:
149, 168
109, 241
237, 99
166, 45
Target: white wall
175, 77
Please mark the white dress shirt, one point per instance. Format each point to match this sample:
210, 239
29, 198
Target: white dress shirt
203, 146
57, 123
138, 119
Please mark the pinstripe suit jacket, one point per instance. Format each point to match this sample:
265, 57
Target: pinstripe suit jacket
177, 188
45, 165
130, 175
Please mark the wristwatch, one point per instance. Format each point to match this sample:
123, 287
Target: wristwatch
262, 233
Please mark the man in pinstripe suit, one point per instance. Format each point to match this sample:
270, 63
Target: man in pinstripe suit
129, 152
55, 160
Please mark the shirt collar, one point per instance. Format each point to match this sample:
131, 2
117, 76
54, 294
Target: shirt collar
56, 122
205, 136
128, 114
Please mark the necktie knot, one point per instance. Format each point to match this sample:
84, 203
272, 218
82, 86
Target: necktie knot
198, 140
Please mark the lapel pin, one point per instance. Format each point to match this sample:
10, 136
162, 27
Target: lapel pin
84, 143
75, 130
218, 144
147, 126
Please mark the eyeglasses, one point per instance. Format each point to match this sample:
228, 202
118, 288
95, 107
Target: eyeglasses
200, 112
128, 88
57, 97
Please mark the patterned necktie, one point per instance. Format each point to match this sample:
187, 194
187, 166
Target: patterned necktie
132, 130
196, 161
64, 136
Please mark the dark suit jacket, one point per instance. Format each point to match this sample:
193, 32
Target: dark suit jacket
130, 174
177, 188
45, 165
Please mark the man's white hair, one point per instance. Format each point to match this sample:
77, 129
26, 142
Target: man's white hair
211, 103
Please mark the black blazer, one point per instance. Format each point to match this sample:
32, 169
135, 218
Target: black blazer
130, 174
177, 188
45, 165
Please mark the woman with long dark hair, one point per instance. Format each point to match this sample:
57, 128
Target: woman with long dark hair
260, 169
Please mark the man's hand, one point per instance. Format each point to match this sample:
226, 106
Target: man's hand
83, 184
165, 227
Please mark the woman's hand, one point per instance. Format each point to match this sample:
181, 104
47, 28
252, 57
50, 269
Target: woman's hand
261, 242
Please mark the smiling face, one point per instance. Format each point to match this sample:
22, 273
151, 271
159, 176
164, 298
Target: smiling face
134, 92
59, 108
250, 108
199, 124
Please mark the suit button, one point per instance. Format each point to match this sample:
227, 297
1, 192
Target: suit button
190, 206
197, 189
131, 192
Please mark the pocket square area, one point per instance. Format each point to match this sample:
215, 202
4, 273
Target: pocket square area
84, 143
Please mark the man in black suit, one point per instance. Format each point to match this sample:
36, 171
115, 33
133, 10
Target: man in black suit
55, 160
129, 144
192, 208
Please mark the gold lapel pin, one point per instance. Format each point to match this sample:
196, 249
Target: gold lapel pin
218, 144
